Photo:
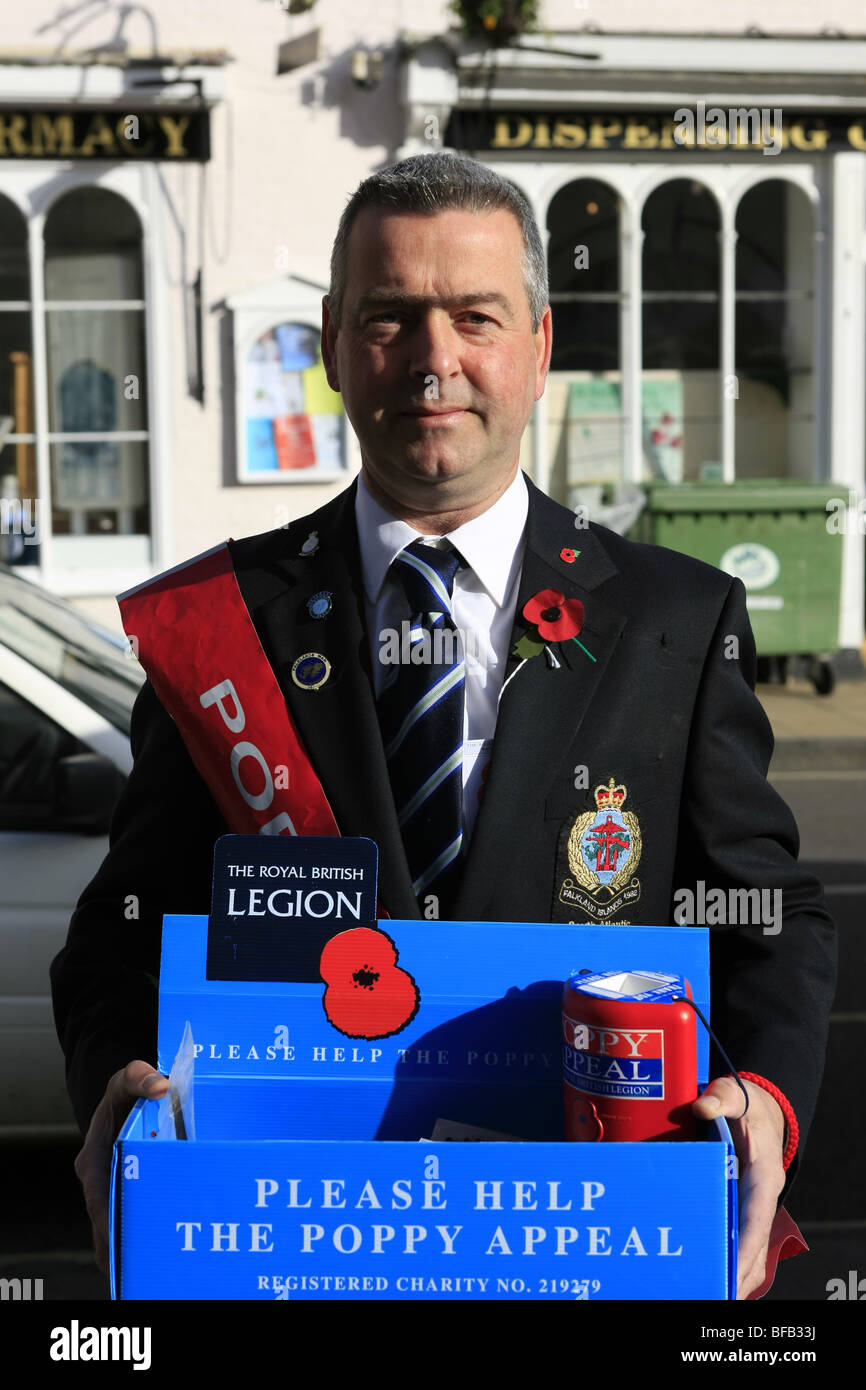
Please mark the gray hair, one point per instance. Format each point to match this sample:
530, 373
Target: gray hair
430, 183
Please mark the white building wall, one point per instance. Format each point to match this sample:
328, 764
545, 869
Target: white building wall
286, 153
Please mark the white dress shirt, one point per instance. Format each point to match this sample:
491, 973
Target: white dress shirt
483, 607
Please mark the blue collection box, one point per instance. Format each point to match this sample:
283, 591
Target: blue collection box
306, 1178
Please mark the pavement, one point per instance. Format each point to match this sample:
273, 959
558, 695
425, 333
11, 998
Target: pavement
818, 732
819, 767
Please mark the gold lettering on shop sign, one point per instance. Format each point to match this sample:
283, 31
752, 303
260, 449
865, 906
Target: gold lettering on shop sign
569, 135
53, 134
502, 138
816, 139
101, 134
740, 128
541, 138
639, 137
600, 133
174, 129
134, 147
12, 130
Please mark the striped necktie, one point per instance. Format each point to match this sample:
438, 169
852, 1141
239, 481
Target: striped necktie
421, 718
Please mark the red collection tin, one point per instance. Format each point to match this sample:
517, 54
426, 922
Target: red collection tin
629, 1057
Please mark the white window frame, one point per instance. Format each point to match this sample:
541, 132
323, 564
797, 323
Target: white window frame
727, 182
733, 70
34, 187
836, 186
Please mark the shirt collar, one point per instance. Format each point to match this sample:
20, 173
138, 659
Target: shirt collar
491, 544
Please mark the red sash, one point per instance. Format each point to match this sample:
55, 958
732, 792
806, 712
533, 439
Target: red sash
193, 635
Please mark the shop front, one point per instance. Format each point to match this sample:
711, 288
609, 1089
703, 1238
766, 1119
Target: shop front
84, 313
703, 203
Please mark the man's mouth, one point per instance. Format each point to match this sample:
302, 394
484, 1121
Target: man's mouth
435, 415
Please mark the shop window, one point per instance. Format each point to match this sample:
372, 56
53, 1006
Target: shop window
680, 416
655, 374
18, 489
97, 406
584, 404
775, 421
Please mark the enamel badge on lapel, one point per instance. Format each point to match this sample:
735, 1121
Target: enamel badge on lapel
311, 544
603, 850
320, 605
311, 670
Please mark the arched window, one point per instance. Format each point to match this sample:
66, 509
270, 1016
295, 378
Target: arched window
681, 424
97, 408
585, 404
775, 433
18, 488
686, 307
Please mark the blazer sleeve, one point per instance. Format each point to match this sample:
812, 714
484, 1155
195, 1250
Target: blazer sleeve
160, 858
772, 983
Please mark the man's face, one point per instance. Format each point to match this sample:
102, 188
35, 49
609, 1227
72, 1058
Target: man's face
435, 358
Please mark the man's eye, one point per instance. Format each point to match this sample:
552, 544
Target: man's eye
391, 316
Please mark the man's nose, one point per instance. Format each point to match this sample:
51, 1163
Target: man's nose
435, 347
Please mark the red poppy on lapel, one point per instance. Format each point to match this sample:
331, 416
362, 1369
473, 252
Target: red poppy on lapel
556, 617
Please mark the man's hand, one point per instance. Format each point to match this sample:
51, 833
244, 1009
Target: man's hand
759, 1139
93, 1164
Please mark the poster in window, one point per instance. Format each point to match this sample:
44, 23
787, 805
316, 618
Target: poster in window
595, 443
662, 413
293, 421
595, 429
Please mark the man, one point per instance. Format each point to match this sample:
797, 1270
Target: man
437, 333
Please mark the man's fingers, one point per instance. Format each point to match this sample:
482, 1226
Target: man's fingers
136, 1080
758, 1139
758, 1200
93, 1163
722, 1097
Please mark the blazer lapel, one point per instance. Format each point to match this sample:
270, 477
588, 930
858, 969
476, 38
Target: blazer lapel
541, 707
338, 723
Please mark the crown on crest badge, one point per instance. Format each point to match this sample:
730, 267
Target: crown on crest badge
609, 796
604, 850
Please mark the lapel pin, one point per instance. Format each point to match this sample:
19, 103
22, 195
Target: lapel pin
568, 555
555, 619
311, 544
311, 670
320, 605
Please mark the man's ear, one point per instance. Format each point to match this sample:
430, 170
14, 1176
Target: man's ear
543, 348
329, 338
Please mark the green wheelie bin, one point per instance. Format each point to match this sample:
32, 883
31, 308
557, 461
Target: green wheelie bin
774, 536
